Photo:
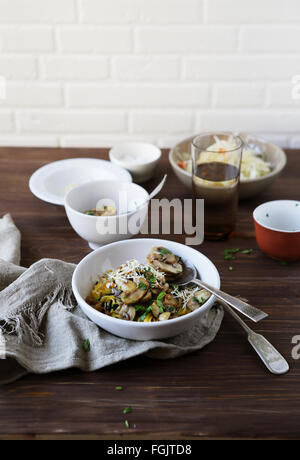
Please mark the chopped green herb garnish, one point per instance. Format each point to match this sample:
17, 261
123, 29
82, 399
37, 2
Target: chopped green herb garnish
164, 251
161, 295
170, 309
104, 207
86, 345
150, 277
231, 251
140, 308
142, 286
229, 257
127, 410
159, 301
175, 287
247, 251
152, 281
228, 253
230, 268
196, 299
143, 317
119, 388
126, 423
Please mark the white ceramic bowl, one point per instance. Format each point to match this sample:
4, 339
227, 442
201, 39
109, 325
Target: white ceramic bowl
248, 188
104, 230
112, 256
139, 158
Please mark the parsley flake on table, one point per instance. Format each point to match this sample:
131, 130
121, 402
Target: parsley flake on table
228, 253
127, 410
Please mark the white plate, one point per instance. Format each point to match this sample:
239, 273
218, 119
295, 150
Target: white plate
51, 182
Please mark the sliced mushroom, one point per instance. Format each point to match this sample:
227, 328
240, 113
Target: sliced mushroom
198, 299
129, 287
147, 297
162, 254
131, 312
170, 259
165, 261
175, 269
127, 313
154, 254
170, 301
164, 316
155, 310
138, 294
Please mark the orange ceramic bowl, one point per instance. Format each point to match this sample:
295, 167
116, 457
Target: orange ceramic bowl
277, 227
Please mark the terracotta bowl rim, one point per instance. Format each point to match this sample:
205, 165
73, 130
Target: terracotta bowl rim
294, 232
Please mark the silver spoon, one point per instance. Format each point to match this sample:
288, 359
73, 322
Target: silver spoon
265, 350
152, 194
157, 189
190, 275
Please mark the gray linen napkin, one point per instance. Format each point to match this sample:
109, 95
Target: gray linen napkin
42, 329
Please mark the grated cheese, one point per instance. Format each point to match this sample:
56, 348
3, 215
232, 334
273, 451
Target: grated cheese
132, 270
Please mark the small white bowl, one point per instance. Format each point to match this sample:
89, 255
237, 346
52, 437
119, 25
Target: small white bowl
112, 256
139, 158
126, 197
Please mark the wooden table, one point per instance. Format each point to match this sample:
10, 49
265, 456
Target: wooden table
222, 391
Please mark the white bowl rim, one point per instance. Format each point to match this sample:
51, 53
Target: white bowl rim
135, 323
278, 167
67, 205
261, 206
141, 144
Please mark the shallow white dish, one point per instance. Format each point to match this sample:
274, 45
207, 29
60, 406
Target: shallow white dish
125, 197
139, 158
248, 188
51, 182
112, 256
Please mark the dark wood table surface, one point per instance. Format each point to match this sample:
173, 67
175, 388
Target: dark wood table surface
222, 391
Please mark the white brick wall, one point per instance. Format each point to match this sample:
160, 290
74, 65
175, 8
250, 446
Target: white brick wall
96, 72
